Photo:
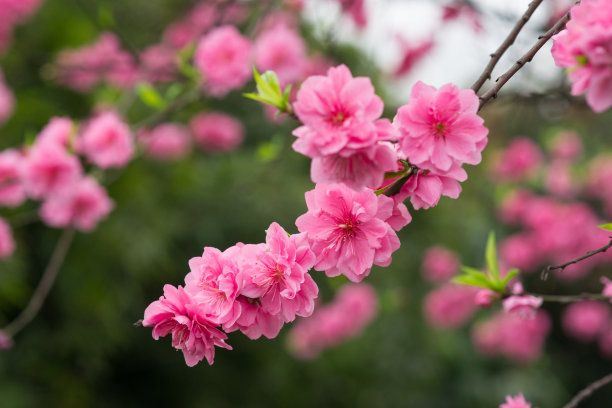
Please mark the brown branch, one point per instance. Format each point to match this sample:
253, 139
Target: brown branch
588, 391
543, 39
561, 267
496, 56
44, 286
570, 298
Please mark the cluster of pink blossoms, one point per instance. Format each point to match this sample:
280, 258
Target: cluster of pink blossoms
584, 48
12, 13
49, 171
354, 307
254, 288
589, 321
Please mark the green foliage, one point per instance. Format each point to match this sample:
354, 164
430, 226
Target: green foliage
149, 96
607, 227
269, 91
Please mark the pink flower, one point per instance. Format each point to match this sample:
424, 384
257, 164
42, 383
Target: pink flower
425, 188
216, 131
346, 231
520, 160
440, 128
353, 308
515, 402
105, 60
216, 281
356, 10
12, 192
566, 145
393, 211
525, 306
412, 55
48, 168
277, 273
559, 180
449, 306
17, 10
584, 49
339, 113
254, 321
158, 64
586, 320
81, 204
59, 131
509, 334
223, 57
192, 332
484, 297
7, 244
607, 290
7, 100
106, 141
439, 264
189, 28
168, 141
282, 50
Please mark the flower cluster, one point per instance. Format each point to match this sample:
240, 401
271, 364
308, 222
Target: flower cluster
589, 321
354, 307
584, 49
254, 288
12, 13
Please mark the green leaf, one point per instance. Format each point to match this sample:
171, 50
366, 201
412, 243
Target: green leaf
472, 271
149, 96
511, 274
491, 258
607, 227
480, 282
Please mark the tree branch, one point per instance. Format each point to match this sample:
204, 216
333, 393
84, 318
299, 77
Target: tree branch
570, 298
45, 285
496, 56
543, 39
561, 267
588, 391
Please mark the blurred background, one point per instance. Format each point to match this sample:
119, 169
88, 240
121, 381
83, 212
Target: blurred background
82, 350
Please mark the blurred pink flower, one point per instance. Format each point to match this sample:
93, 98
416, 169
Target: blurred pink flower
223, 56
566, 145
439, 264
281, 49
216, 131
12, 192
158, 64
525, 306
7, 100
515, 402
106, 141
520, 160
168, 141
586, 320
48, 168
81, 204
450, 306
59, 131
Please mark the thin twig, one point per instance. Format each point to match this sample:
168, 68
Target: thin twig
396, 187
561, 267
496, 56
570, 298
588, 391
44, 286
543, 39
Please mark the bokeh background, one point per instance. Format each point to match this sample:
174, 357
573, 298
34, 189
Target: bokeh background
83, 350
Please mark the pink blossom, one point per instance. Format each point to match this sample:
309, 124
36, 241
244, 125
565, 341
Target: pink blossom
354, 307
412, 55
106, 141
586, 320
566, 145
520, 160
59, 131
439, 264
449, 306
510, 335
7, 244
393, 211
168, 141
441, 128
105, 60
277, 273
48, 168
7, 100
607, 290
158, 64
425, 188
189, 28
216, 281
339, 112
525, 306
519, 251
223, 57
6, 342
356, 10
346, 231
216, 131
17, 10
458, 9
598, 181
484, 297
254, 321
12, 192
515, 205
81, 204
515, 402
192, 332
559, 180
584, 49
282, 50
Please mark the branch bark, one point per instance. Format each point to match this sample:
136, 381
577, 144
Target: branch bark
582, 395
562, 266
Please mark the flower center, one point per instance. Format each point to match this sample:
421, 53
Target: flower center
338, 118
439, 129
